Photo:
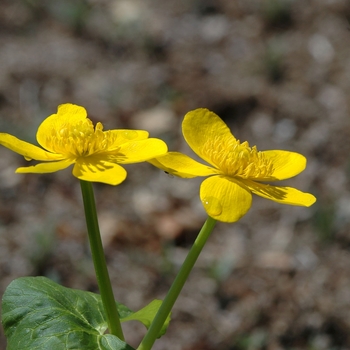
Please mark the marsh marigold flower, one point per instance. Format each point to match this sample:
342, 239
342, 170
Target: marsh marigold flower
69, 137
236, 170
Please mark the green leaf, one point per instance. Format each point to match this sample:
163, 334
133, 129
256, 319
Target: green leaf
147, 314
40, 314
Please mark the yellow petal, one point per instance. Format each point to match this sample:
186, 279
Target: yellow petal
140, 151
225, 199
179, 164
49, 167
283, 195
286, 164
126, 135
26, 149
94, 169
66, 114
203, 129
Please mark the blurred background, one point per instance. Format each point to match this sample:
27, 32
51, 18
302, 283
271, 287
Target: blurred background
277, 72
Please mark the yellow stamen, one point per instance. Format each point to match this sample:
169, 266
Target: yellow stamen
80, 139
234, 158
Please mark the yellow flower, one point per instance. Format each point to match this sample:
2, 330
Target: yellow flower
236, 170
69, 137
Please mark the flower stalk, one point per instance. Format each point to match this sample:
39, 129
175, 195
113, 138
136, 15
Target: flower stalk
175, 289
99, 260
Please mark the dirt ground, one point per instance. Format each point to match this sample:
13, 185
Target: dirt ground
278, 73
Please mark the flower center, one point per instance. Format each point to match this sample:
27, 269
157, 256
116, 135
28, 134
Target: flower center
80, 139
234, 158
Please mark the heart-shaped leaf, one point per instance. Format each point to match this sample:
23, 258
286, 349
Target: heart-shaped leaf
40, 314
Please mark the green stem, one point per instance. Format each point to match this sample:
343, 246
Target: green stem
99, 260
175, 289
